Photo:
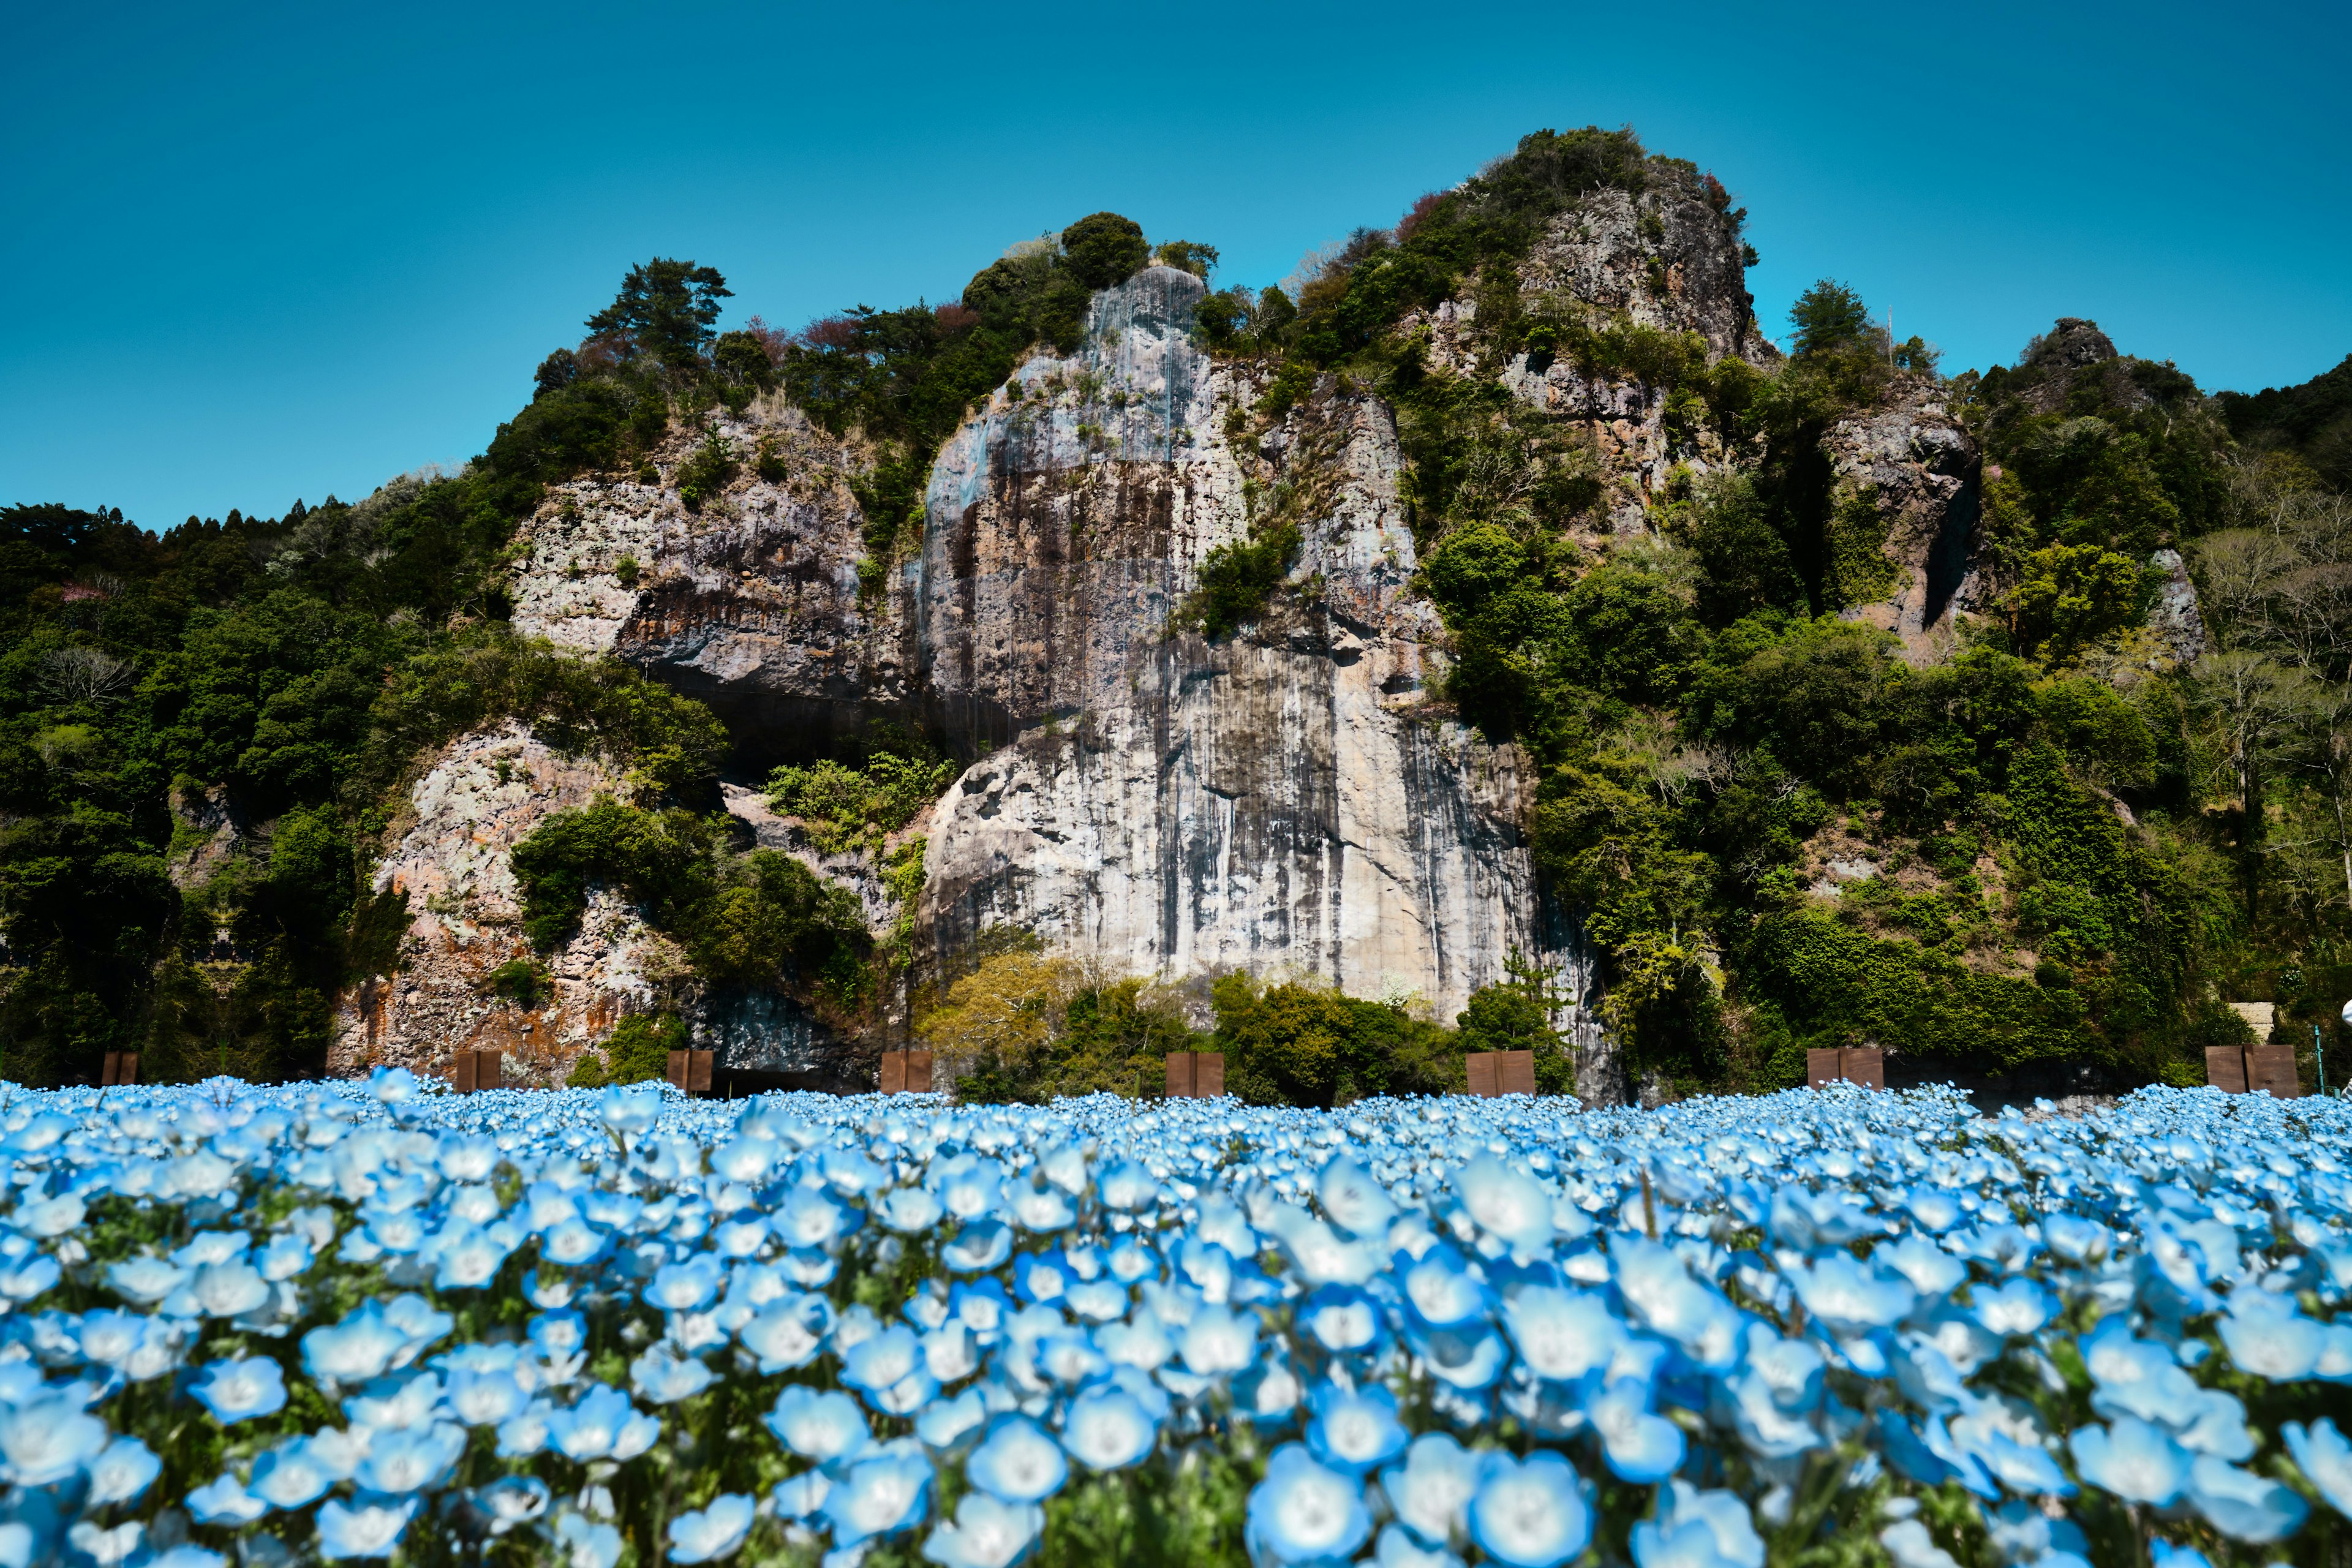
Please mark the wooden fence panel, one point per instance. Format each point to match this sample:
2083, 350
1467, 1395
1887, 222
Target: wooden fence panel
462, 1072
1864, 1064
894, 1072
918, 1072
699, 1066
677, 1071
1180, 1075
2272, 1068
1480, 1069
1515, 1072
1208, 1074
2225, 1069
489, 1069
1823, 1068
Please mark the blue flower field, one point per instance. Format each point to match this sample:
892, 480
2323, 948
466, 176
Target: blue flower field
327, 1323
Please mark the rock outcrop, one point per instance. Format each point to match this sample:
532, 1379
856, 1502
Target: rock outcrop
1910, 473
476, 799
1273, 801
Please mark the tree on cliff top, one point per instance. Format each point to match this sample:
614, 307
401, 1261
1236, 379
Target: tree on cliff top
1104, 250
665, 308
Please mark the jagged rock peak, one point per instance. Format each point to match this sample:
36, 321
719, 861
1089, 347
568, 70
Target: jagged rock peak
2069, 345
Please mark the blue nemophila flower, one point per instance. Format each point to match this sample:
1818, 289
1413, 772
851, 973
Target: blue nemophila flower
2324, 1457
47, 1439
105, 1547
2242, 1505
290, 1476
122, 1471
369, 1526
1510, 1205
713, 1533
1218, 1341
511, 1502
241, 1390
1561, 1334
1693, 1529
1017, 1462
1355, 1202
1355, 1430
409, 1459
2265, 1334
987, 1533
485, 1396
360, 1347
1398, 1548
1305, 1512
1108, 1429
2132, 1459
1850, 1297
661, 1378
2017, 1307
1531, 1515
146, 1280
1637, 1444
223, 1501
581, 1542
1431, 1491
603, 1425
823, 1426
879, 1496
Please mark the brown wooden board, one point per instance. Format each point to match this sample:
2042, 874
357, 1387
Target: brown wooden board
1864, 1064
894, 1072
699, 1065
1208, 1074
461, 1073
109, 1071
2225, 1069
918, 1072
1823, 1068
1180, 1075
1515, 1072
1478, 1068
677, 1071
130, 1071
490, 1068
2272, 1068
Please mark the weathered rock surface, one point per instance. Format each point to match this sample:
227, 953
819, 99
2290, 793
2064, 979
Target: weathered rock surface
1662, 259
1270, 801
479, 797
750, 603
1920, 472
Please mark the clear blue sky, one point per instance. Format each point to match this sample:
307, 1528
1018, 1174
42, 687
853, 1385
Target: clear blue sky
263, 251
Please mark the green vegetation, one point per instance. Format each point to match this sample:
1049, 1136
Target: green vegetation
844, 808
202, 732
761, 920
1022, 1024
906, 377
2057, 861
637, 1051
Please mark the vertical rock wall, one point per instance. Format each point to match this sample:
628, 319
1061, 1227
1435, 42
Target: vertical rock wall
1278, 801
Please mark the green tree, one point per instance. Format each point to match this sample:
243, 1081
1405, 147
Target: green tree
1104, 250
1828, 317
636, 1051
665, 310
2069, 598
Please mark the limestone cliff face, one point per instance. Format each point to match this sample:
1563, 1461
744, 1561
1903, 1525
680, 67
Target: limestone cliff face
482, 794
750, 602
1662, 259
1276, 802
1917, 472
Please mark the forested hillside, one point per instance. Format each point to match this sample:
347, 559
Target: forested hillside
2039, 790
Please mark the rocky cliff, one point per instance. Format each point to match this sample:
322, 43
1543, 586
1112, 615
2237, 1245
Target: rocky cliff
1289, 799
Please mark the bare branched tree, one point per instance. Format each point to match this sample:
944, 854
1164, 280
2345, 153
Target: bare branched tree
86, 675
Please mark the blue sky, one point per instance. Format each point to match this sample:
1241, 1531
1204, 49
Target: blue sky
261, 251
